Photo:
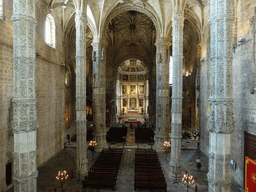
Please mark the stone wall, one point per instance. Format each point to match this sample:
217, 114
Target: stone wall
6, 93
243, 83
49, 90
204, 106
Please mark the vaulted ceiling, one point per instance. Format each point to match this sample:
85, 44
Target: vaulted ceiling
131, 30
131, 26
161, 10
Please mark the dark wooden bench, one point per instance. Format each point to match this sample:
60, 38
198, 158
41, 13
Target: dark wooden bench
150, 185
148, 172
103, 173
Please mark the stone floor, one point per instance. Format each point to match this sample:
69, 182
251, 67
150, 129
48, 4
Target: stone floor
125, 180
66, 160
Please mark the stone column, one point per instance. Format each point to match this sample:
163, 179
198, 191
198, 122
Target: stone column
162, 93
113, 112
177, 87
25, 120
81, 122
220, 121
99, 94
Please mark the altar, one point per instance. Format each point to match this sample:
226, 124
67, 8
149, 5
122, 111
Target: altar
133, 111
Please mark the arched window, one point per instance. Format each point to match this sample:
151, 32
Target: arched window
50, 31
1, 9
170, 70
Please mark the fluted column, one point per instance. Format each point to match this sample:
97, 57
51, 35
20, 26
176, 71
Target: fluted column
81, 24
99, 94
25, 120
177, 87
162, 93
220, 121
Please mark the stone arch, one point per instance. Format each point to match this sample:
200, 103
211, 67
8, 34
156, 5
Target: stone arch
120, 61
128, 7
71, 23
192, 18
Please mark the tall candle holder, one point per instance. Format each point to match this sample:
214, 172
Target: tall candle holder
166, 144
62, 176
188, 180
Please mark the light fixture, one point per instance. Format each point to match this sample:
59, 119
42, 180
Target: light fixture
166, 144
62, 176
187, 74
92, 143
187, 180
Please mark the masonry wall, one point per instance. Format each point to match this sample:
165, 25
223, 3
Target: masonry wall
49, 91
243, 85
204, 105
6, 87
204, 92
243, 78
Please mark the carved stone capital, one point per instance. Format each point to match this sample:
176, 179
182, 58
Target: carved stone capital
178, 18
163, 41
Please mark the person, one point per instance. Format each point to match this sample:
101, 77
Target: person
198, 164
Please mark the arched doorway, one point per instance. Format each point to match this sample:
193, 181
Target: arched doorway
132, 89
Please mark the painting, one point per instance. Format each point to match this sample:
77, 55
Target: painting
141, 102
141, 77
125, 77
141, 89
133, 89
124, 89
124, 102
133, 77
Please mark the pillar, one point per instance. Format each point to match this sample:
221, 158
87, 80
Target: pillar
81, 24
162, 93
113, 112
99, 94
220, 121
177, 87
25, 122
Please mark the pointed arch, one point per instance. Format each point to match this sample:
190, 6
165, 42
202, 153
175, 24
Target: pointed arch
91, 20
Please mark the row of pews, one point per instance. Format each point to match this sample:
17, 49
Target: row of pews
144, 134
116, 134
103, 173
148, 172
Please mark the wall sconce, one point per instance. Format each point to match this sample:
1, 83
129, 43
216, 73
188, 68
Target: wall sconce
188, 74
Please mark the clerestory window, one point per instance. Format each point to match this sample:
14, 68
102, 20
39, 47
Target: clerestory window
170, 70
1, 9
50, 31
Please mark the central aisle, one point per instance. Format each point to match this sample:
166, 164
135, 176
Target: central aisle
125, 178
130, 137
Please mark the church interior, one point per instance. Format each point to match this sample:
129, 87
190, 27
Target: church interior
143, 89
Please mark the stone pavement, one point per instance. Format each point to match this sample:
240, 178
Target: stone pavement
66, 160
125, 180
